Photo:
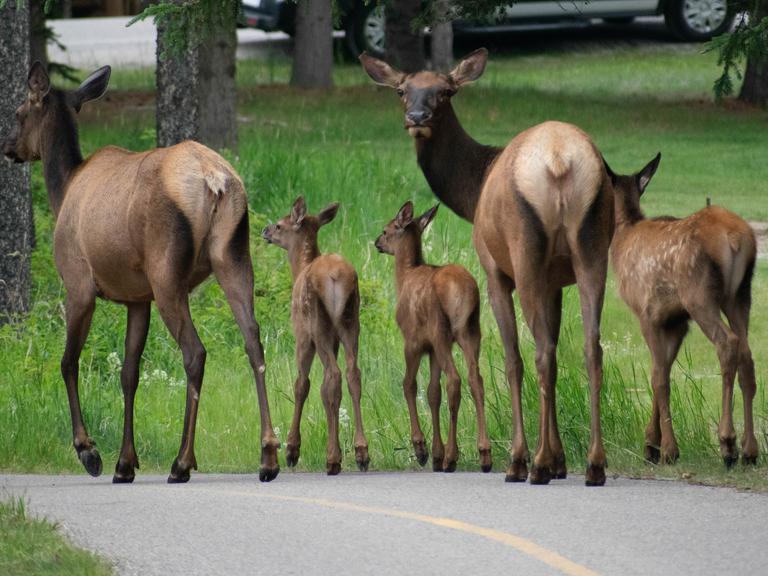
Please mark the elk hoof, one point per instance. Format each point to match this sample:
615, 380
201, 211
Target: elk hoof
292, 454
124, 473
179, 474
730, 461
420, 450
517, 471
450, 467
540, 474
595, 475
729, 452
332, 468
362, 459
437, 464
672, 456
559, 469
749, 460
485, 460
652, 454
91, 461
268, 474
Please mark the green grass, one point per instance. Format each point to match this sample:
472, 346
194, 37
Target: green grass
30, 547
349, 145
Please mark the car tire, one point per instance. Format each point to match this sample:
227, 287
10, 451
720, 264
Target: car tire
365, 30
698, 20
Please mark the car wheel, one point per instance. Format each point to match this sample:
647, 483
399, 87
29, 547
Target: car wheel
698, 20
365, 30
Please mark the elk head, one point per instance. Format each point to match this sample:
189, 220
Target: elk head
425, 95
629, 189
44, 109
298, 226
404, 226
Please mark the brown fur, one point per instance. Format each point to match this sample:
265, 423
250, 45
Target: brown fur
325, 309
436, 306
671, 270
136, 227
542, 211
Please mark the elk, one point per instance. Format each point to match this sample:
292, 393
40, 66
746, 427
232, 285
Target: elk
436, 306
672, 270
542, 215
325, 311
133, 227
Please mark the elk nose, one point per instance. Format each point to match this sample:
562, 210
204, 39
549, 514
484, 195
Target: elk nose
265, 233
418, 117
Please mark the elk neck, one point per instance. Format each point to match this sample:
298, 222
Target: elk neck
302, 254
454, 164
628, 212
59, 151
408, 256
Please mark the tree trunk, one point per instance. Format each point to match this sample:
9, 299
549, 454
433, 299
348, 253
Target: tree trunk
38, 43
16, 225
404, 46
442, 37
313, 45
196, 93
755, 87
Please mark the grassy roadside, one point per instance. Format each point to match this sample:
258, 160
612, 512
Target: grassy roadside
349, 145
30, 547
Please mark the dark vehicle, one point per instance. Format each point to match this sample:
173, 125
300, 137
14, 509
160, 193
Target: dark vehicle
692, 20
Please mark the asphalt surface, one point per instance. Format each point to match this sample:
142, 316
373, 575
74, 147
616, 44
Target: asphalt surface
403, 523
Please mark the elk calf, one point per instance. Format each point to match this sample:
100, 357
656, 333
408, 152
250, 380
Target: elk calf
671, 270
436, 306
324, 311
133, 227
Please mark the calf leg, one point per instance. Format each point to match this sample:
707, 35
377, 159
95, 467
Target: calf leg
453, 391
412, 359
559, 468
235, 275
468, 338
135, 338
434, 394
349, 334
305, 353
79, 312
330, 392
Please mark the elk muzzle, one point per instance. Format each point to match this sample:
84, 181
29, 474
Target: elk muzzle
267, 234
417, 122
9, 150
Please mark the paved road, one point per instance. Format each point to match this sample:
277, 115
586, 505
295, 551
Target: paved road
404, 523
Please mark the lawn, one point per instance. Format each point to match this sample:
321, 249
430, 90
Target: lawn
349, 145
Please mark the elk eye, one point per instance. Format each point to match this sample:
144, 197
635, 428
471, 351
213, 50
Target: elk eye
400, 92
277, 226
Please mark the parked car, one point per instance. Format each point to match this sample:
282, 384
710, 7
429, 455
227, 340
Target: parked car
691, 20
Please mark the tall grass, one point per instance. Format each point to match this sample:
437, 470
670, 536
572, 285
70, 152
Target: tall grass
348, 145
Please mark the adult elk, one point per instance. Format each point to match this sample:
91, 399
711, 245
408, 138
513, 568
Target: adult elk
671, 270
436, 306
542, 210
325, 311
133, 227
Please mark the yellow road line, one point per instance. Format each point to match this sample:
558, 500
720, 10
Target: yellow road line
520, 544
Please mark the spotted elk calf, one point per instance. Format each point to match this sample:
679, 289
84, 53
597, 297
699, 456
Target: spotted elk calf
325, 311
133, 227
542, 215
672, 270
436, 306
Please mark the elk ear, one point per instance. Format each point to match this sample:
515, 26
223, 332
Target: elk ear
299, 211
611, 173
381, 72
405, 215
328, 213
38, 82
92, 87
644, 176
427, 217
471, 68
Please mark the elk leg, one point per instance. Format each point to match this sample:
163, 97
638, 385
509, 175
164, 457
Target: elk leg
174, 309
434, 394
707, 316
305, 353
559, 468
500, 295
412, 359
350, 333
468, 339
453, 392
135, 338
235, 277
79, 312
664, 344
590, 274
738, 317
330, 391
